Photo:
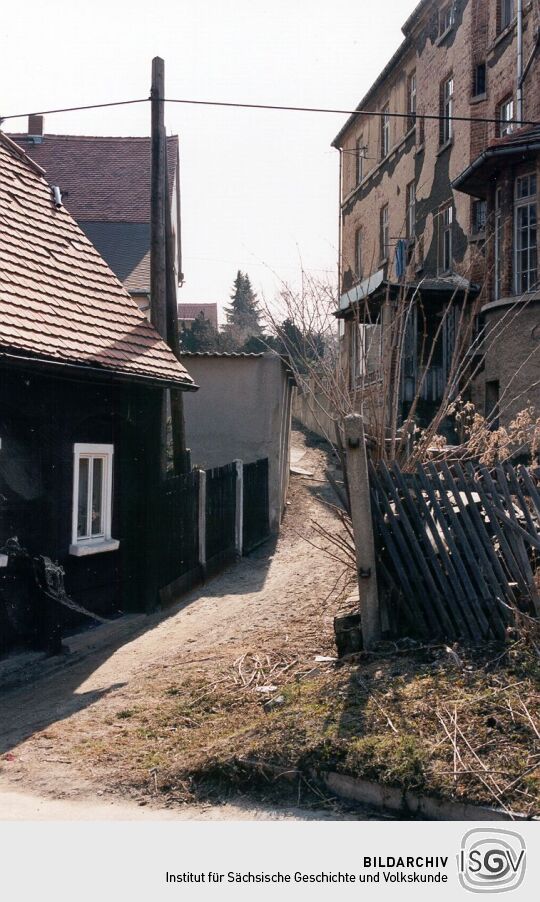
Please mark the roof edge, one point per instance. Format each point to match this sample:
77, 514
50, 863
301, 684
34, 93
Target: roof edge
18, 151
26, 358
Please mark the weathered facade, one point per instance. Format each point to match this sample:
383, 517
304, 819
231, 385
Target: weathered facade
439, 199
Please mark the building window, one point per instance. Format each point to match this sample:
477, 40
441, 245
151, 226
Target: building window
410, 220
446, 221
446, 18
385, 132
420, 253
491, 405
358, 255
92, 499
359, 156
479, 80
447, 110
525, 247
411, 100
479, 211
506, 117
506, 13
498, 243
384, 232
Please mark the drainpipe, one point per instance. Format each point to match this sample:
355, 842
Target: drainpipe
519, 93
340, 180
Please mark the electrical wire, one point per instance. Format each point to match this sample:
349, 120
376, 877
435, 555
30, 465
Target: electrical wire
268, 106
74, 109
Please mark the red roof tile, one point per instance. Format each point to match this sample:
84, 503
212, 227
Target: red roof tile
59, 301
102, 179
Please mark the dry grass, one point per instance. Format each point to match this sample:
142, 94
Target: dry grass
458, 724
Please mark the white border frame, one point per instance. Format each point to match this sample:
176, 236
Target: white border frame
105, 542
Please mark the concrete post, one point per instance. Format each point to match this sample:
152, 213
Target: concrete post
202, 520
358, 477
239, 525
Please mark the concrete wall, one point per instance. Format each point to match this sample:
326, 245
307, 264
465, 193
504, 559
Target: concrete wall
312, 409
241, 411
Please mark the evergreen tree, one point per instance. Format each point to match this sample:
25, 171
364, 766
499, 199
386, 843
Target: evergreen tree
243, 315
202, 336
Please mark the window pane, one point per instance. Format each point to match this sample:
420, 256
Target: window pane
82, 503
97, 497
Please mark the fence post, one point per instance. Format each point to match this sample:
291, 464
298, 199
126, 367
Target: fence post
239, 524
358, 479
202, 520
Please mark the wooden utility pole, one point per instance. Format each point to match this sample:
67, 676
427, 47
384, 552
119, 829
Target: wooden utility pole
163, 276
358, 478
181, 462
158, 193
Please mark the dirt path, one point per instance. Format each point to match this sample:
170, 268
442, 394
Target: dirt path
281, 595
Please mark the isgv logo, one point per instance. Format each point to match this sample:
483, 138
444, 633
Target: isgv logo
491, 861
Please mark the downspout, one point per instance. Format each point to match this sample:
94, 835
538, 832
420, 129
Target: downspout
340, 187
519, 93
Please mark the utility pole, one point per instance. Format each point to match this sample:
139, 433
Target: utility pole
163, 303
181, 462
158, 193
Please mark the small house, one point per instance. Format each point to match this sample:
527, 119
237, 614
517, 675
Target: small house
82, 376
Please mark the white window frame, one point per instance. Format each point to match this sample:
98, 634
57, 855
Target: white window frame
446, 225
411, 100
411, 211
448, 110
85, 545
529, 202
359, 159
507, 13
384, 223
385, 131
446, 19
506, 117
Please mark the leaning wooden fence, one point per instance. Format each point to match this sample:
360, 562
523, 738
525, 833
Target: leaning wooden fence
456, 547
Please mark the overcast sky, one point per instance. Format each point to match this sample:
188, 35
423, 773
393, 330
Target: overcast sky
259, 188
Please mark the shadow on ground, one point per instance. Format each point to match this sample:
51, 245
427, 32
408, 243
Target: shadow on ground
47, 692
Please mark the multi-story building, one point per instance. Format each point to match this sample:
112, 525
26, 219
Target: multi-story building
440, 173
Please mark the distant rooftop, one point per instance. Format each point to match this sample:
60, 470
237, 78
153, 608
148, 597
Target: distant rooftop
189, 312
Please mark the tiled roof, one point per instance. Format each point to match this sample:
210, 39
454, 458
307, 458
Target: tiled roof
192, 311
125, 247
59, 301
102, 179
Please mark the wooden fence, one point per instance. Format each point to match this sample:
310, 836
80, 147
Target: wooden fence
456, 547
207, 518
256, 514
220, 514
178, 546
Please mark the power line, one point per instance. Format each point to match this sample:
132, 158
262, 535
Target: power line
276, 107
380, 113
74, 109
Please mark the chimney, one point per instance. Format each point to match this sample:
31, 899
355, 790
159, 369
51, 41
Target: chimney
35, 128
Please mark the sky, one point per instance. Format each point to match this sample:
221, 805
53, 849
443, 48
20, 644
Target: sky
259, 188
